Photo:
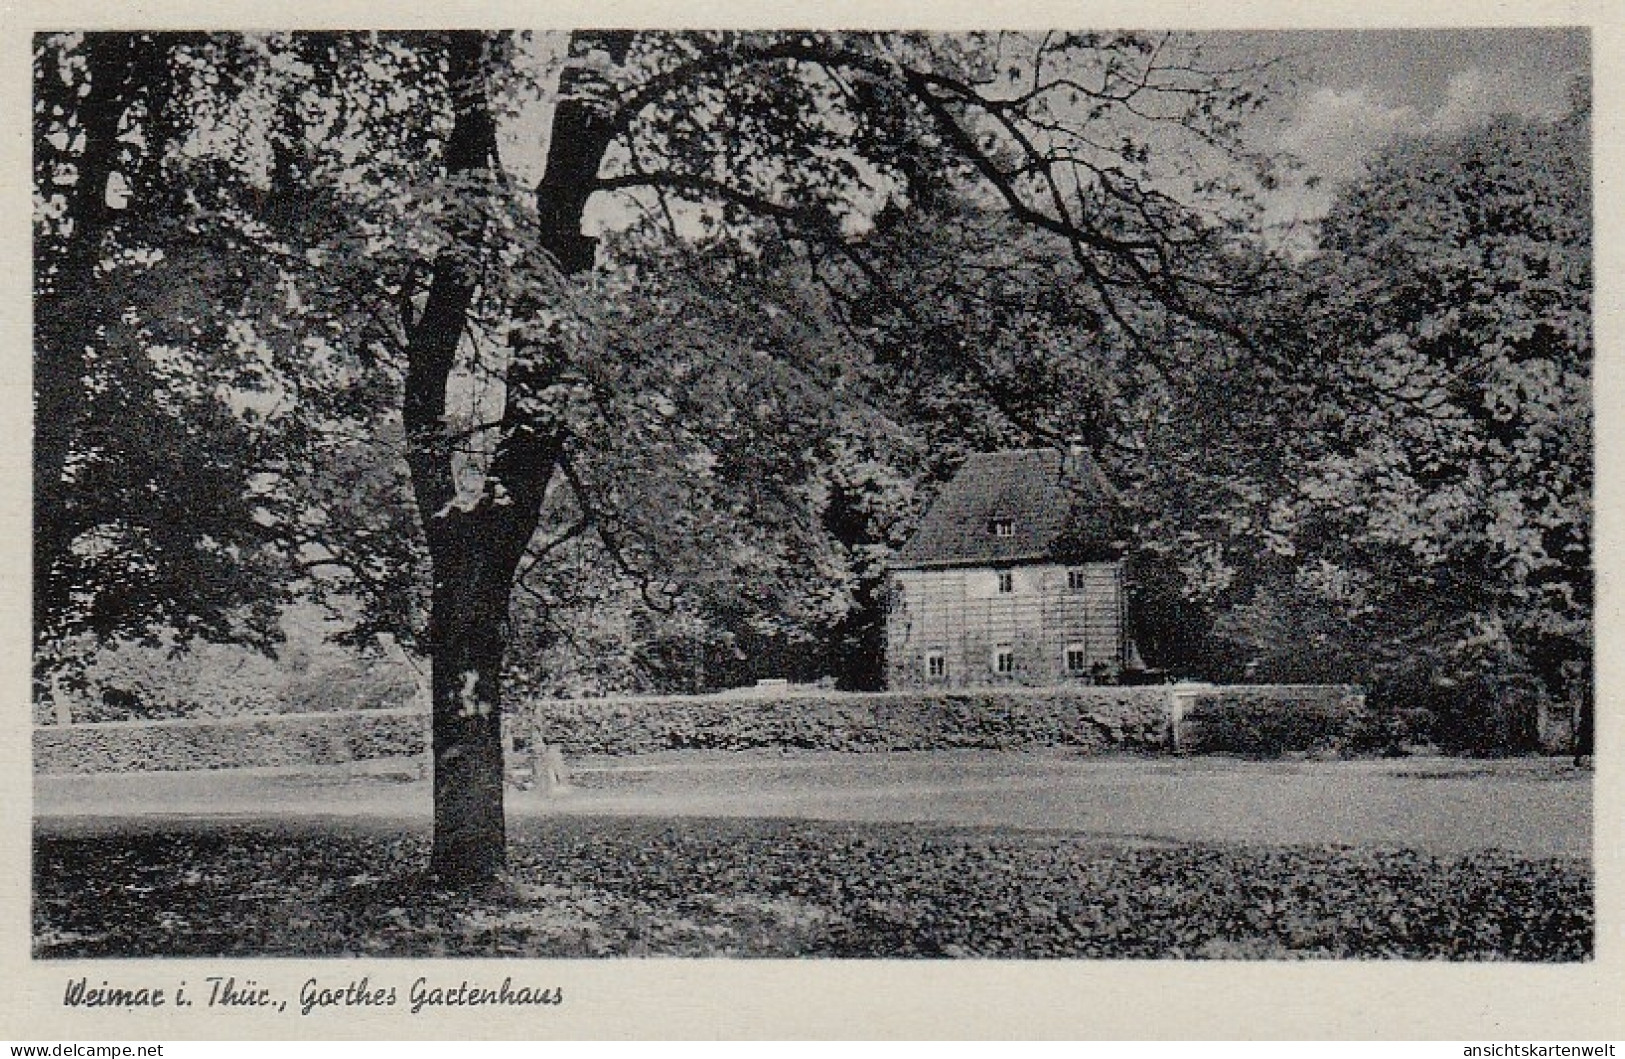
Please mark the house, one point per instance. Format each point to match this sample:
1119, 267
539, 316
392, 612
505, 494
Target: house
1015, 576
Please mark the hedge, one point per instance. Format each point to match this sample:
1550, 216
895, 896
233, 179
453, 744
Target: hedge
238, 742
1270, 720
1093, 718
1253, 720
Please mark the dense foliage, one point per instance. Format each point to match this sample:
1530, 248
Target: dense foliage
1398, 490
1450, 511
598, 887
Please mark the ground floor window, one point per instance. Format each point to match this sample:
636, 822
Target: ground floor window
1004, 659
1077, 659
935, 664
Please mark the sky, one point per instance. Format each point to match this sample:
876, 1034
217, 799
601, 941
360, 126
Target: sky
1353, 93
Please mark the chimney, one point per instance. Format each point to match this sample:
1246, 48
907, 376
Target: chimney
1072, 459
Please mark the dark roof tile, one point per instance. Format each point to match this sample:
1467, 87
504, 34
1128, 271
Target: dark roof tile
1061, 508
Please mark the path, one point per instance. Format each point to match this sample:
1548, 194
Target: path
1528, 806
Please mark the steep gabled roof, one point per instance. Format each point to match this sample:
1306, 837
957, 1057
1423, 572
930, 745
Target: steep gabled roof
1060, 507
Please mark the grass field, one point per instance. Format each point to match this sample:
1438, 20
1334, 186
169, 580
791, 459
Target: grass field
991, 855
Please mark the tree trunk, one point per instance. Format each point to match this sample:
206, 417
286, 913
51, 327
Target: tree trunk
126, 77
470, 607
475, 549
68, 315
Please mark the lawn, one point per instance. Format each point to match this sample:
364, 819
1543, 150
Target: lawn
665, 858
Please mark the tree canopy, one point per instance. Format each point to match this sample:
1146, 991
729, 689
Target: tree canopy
1415, 510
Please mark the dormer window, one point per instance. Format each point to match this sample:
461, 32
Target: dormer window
1004, 527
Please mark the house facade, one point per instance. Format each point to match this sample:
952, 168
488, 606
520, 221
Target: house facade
1014, 576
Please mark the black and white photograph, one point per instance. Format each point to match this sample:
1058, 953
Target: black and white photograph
1057, 495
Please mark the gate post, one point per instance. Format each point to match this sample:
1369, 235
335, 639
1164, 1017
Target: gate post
1181, 697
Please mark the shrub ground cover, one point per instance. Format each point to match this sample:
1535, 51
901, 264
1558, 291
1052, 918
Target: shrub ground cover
597, 886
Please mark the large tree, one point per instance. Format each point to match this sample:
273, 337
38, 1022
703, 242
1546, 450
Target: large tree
357, 180
1454, 290
201, 448
108, 416
1409, 506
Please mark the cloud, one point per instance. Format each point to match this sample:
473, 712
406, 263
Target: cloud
1335, 130
1473, 96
